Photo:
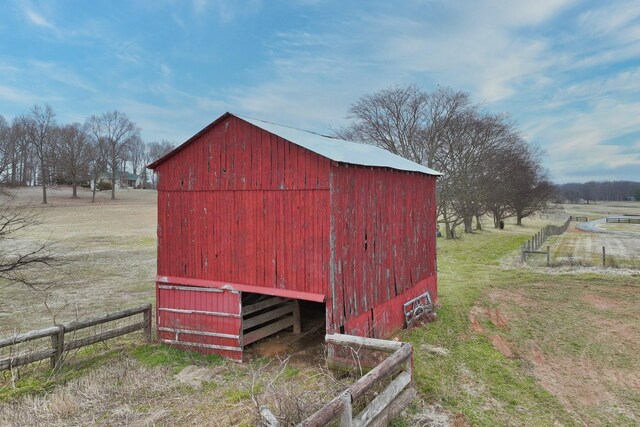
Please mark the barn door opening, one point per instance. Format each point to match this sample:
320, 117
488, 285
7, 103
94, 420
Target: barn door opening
291, 326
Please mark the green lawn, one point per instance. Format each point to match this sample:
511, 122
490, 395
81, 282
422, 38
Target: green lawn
546, 330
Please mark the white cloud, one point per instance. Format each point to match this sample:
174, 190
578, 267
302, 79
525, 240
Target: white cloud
38, 20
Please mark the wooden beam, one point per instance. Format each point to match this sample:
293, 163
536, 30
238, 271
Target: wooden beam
104, 336
395, 408
386, 368
297, 328
328, 412
362, 342
29, 336
206, 313
249, 309
267, 330
380, 403
13, 362
201, 345
204, 333
73, 326
265, 317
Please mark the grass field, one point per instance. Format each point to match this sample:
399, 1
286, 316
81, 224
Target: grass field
524, 346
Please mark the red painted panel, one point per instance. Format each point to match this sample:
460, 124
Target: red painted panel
383, 229
201, 319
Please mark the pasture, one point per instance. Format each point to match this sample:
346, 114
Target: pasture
512, 344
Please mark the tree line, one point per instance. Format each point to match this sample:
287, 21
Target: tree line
599, 190
488, 167
37, 150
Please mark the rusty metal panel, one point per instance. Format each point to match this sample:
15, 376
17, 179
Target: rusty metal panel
207, 320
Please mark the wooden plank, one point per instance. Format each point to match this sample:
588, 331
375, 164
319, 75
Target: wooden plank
206, 313
296, 317
29, 336
363, 342
395, 408
104, 336
265, 317
73, 326
328, 412
267, 330
201, 345
382, 400
16, 361
189, 288
262, 305
346, 416
383, 370
203, 333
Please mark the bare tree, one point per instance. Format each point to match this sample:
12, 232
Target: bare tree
156, 150
75, 153
529, 188
113, 133
393, 119
16, 260
137, 154
477, 152
40, 127
6, 156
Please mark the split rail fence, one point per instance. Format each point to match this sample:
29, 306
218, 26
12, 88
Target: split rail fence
533, 245
620, 220
64, 338
388, 404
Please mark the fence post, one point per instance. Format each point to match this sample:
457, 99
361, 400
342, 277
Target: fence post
604, 257
346, 416
548, 257
147, 321
57, 343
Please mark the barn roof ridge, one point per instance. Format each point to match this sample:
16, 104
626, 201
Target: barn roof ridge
331, 147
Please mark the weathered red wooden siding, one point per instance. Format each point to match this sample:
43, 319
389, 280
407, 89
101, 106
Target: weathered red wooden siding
241, 205
382, 246
213, 316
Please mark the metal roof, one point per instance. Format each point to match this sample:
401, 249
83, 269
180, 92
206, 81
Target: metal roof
332, 148
340, 150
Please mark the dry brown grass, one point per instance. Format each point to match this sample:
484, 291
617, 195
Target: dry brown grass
109, 249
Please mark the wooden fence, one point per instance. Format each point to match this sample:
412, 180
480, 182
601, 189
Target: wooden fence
397, 367
64, 337
578, 218
532, 246
629, 220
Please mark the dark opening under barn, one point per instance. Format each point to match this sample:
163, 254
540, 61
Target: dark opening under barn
258, 222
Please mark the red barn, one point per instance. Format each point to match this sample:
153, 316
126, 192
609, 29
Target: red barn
254, 217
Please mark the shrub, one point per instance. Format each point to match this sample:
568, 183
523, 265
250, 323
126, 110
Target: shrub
102, 186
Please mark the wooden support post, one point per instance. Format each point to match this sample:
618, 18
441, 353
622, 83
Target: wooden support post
548, 257
604, 257
296, 317
147, 322
346, 416
57, 343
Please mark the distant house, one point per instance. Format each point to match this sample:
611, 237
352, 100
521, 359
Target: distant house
124, 179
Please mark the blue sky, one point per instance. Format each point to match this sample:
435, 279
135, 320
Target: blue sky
567, 71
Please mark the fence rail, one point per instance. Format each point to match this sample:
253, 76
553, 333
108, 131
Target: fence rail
388, 403
619, 220
60, 345
533, 245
